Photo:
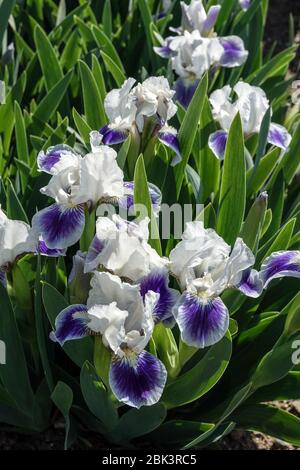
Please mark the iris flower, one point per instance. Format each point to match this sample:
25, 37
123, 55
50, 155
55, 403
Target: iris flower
141, 111
205, 267
252, 103
119, 313
122, 248
196, 49
76, 183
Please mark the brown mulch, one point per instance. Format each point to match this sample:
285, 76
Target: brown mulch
277, 27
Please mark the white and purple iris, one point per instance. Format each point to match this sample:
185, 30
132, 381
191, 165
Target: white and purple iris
122, 248
142, 111
196, 49
123, 317
76, 184
252, 103
205, 266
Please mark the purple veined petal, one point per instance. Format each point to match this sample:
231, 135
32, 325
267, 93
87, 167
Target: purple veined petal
137, 380
158, 282
279, 136
169, 137
3, 279
71, 323
60, 227
251, 283
235, 53
127, 201
54, 157
93, 252
212, 16
280, 264
202, 322
112, 136
217, 143
185, 89
50, 252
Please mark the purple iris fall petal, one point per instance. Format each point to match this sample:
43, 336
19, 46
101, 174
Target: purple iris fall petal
137, 380
251, 283
185, 89
71, 323
217, 143
112, 136
279, 136
280, 264
44, 250
54, 155
234, 51
202, 322
59, 226
158, 282
170, 139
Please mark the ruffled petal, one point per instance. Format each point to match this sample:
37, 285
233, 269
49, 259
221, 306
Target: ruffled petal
71, 323
202, 322
279, 136
169, 137
185, 89
234, 53
138, 380
217, 143
56, 159
280, 264
59, 226
251, 283
112, 136
158, 282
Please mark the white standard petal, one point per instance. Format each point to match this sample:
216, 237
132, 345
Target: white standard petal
124, 248
109, 321
202, 252
223, 109
126, 303
118, 102
61, 185
16, 238
154, 97
241, 258
100, 177
252, 103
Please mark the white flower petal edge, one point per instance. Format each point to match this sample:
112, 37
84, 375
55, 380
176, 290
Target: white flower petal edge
16, 238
